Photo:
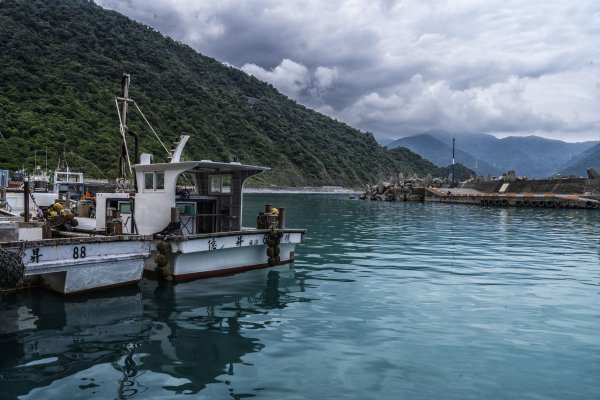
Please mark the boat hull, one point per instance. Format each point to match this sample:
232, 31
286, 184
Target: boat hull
198, 256
71, 266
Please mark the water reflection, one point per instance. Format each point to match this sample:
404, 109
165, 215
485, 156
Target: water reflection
48, 338
199, 331
158, 339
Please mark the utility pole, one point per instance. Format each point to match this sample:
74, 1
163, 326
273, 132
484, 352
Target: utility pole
453, 145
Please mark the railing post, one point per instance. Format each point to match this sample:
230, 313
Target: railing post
281, 223
26, 199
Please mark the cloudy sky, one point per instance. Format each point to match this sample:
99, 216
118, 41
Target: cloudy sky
398, 68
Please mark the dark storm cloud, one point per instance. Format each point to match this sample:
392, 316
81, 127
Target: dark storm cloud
402, 67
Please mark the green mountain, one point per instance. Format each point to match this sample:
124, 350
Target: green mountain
61, 64
578, 165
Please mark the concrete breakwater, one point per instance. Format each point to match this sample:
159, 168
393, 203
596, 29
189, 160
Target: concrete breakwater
550, 193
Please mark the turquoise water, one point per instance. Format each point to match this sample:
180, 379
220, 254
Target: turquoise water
384, 301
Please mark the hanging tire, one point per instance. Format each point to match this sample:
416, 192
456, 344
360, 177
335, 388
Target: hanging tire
161, 260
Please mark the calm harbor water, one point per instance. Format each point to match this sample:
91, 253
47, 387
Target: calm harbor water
384, 301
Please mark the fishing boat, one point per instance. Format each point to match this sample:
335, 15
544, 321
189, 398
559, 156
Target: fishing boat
65, 184
38, 196
68, 265
198, 228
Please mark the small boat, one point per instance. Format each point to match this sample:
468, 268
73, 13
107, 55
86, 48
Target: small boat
68, 265
66, 185
198, 229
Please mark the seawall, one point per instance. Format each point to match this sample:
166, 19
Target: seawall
557, 186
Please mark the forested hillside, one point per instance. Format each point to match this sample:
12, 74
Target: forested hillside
61, 64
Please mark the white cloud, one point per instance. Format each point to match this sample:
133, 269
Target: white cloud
290, 77
325, 77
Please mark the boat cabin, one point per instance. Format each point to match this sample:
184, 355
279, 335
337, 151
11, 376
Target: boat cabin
69, 185
39, 181
206, 194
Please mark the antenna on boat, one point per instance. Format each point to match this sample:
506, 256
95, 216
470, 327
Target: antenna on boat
63, 165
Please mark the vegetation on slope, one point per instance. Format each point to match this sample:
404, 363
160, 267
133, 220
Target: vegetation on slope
60, 69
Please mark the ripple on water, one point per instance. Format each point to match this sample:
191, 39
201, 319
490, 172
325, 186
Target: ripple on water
384, 301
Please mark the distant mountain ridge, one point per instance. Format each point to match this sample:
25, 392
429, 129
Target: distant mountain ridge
583, 161
531, 156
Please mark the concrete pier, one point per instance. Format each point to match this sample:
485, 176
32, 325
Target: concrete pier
549, 193
526, 199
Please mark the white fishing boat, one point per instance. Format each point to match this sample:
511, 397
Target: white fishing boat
39, 194
68, 265
65, 185
198, 230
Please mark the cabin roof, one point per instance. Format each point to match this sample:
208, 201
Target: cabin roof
199, 166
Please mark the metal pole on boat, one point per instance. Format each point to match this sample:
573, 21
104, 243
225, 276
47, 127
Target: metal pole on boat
26, 199
125, 86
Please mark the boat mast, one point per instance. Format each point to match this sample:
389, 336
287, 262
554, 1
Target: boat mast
63, 165
126, 175
125, 168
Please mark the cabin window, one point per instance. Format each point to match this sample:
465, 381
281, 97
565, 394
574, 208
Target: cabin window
160, 181
125, 207
215, 184
154, 181
220, 183
148, 180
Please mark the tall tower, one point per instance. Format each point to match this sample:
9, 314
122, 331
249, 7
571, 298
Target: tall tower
453, 145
